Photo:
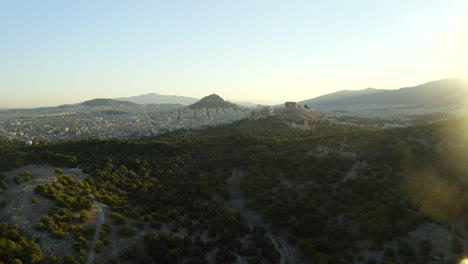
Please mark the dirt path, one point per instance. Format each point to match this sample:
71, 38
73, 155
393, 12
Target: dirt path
99, 222
237, 199
289, 255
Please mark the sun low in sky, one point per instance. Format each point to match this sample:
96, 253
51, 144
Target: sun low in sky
54, 52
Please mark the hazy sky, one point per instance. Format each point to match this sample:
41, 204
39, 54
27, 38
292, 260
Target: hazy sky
56, 52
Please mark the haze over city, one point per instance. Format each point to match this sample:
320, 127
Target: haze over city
56, 52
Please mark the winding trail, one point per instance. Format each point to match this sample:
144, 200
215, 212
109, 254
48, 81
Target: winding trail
288, 254
100, 221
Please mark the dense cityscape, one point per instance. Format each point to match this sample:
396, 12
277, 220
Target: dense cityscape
74, 122
77, 122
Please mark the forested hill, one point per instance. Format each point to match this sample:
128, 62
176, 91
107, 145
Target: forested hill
10, 157
386, 196
272, 127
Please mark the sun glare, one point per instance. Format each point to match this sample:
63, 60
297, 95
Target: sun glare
464, 261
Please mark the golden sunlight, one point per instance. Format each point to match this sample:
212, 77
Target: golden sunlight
464, 261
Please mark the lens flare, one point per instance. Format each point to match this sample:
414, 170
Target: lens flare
464, 261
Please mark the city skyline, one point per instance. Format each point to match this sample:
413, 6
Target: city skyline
57, 52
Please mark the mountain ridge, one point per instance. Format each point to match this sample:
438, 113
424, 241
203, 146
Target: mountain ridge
106, 101
154, 98
434, 93
340, 95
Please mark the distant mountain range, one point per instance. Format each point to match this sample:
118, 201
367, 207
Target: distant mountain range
154, 98
341, 95
435, 93
212, 101
106, 101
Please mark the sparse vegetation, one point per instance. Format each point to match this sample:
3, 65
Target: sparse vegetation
127, 230
68, 193
23, 176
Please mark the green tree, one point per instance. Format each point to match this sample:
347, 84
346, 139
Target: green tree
84, 216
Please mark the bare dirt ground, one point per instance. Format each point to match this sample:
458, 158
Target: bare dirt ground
441, 239
20, 211
352, 173
99, 221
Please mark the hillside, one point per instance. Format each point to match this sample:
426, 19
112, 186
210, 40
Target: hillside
272, 127
212, 101
105, 101
436, 93
340, 95
154, 98
243, 191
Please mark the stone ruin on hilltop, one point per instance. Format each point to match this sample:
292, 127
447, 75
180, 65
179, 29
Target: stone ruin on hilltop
295, 115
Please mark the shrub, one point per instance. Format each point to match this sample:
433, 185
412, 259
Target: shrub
127, 231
